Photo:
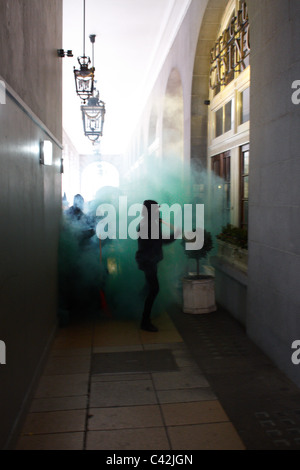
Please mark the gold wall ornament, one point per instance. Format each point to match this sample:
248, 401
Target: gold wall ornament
230, 50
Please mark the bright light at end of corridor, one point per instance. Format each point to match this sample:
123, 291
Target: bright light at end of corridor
96, 176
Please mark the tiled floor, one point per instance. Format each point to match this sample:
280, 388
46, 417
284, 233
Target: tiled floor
75, 408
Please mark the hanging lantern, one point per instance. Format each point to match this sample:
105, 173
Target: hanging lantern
93, 118
84, 77
93, 112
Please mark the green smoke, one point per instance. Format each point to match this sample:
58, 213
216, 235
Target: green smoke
91, 267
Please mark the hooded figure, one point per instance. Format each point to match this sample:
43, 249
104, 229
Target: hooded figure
83, 224
76, 211
149, 254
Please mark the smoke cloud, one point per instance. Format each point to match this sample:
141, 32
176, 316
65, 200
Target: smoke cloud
94, 271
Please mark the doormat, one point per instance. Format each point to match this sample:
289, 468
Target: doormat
127, 362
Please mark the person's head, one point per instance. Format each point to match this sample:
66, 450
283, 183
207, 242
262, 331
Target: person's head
150, 208
78, 201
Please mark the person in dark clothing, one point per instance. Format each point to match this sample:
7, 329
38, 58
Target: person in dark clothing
149, 254
76, 211
78, 272
84, 223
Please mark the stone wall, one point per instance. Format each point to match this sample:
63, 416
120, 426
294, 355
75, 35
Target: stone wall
274, 248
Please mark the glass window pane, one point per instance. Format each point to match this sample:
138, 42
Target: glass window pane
219, 122
228, 108
227, 196
245, 106
227, 169
246, 163
246, 188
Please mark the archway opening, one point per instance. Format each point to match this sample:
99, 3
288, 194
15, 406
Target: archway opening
173, 118
96, 176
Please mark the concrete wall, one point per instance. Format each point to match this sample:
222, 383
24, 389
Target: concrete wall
274, 247
231, 289
30, 198
30, 34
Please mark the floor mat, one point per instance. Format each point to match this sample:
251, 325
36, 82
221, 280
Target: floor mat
161, 360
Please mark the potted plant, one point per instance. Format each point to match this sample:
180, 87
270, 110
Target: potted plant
233, 246
199, 288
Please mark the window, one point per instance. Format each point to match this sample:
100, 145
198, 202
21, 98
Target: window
221, 166
227, 111
244, 106
244, 192
219, 122
229, 117
223, 119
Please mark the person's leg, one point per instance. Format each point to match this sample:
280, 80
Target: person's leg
153, 289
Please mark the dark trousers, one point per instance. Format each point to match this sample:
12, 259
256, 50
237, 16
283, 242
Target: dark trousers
153, 289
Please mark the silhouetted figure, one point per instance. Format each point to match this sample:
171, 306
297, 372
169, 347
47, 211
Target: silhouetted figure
149, 254
80, 220
78, 259
76, 211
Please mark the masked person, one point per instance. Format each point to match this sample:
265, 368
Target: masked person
149, 254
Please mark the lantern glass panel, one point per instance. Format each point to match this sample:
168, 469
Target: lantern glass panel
93, 119
84, 78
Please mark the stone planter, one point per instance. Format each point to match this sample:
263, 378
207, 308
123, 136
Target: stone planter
233, 255
199, 295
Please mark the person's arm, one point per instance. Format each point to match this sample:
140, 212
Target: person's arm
173, 236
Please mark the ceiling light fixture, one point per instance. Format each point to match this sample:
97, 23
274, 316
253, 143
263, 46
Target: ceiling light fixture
84, 77
93, 118
94, 111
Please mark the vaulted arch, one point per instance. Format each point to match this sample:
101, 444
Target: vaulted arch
200, 85
173, 120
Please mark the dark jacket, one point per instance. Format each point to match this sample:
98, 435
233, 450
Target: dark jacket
150, 252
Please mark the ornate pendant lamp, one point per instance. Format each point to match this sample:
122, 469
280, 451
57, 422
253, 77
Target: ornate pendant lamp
84, 77
93, 118
93, 113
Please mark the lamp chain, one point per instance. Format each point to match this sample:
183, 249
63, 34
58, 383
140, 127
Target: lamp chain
83, 28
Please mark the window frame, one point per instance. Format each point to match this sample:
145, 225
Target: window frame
243, 149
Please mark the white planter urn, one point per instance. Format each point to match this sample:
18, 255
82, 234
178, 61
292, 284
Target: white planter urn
199, 295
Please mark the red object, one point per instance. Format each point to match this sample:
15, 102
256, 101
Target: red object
104, 305
103, 299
